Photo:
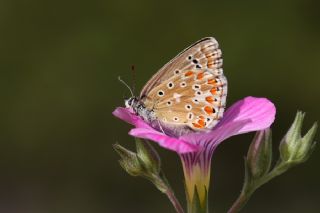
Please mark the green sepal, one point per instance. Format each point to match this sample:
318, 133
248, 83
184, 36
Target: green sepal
145, 163
148, 156
259, 155
307, 144
294, 148
247, 177
196, 205
129, 161
289, 141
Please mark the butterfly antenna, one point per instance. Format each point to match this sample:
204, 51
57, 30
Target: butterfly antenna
122, 81
133, 78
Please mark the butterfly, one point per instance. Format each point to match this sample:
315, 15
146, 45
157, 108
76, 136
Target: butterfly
188, 94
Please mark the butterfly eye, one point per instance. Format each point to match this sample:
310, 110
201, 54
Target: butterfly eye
169, 103
189, 57
160, 93
170, 85
177, 72
198, 66
195, 61
175, 118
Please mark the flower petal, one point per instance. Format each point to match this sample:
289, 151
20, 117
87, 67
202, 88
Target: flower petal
247, 115
127, 115
143, 130
163, 140
260, 111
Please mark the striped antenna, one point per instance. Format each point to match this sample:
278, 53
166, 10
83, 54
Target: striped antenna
133, 78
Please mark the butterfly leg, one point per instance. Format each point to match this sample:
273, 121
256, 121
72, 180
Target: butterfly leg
160, 127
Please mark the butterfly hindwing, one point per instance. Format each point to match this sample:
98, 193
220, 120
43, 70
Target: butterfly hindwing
195, 99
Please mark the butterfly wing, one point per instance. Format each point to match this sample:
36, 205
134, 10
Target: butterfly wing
189, 92
204, 53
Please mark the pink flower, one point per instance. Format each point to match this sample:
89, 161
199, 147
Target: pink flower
247, 115
196, 149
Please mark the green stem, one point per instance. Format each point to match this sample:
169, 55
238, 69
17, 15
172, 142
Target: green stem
250, 188
239, 203
174, 201
164, 186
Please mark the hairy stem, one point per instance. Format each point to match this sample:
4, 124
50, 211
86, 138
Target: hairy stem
163, 185
254, 185
174, 201
239, 203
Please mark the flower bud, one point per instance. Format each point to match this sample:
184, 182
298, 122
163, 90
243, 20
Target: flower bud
259, 155
129, 161
148, 156
294, 148
145, 163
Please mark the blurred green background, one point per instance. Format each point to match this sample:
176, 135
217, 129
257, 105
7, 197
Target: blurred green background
59, 63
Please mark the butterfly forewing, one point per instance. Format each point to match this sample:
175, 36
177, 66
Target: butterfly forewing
190, 91
202, 54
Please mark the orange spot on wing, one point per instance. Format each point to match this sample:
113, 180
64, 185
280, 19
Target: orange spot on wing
201, 123
213, 82
213, 91
209, 110
200, 76
189, 73
201, 117
197, 125
209, 99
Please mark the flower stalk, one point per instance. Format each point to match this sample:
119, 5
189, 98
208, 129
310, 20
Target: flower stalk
163, 185
251, 186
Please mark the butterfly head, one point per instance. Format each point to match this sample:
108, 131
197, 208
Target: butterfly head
131, 102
